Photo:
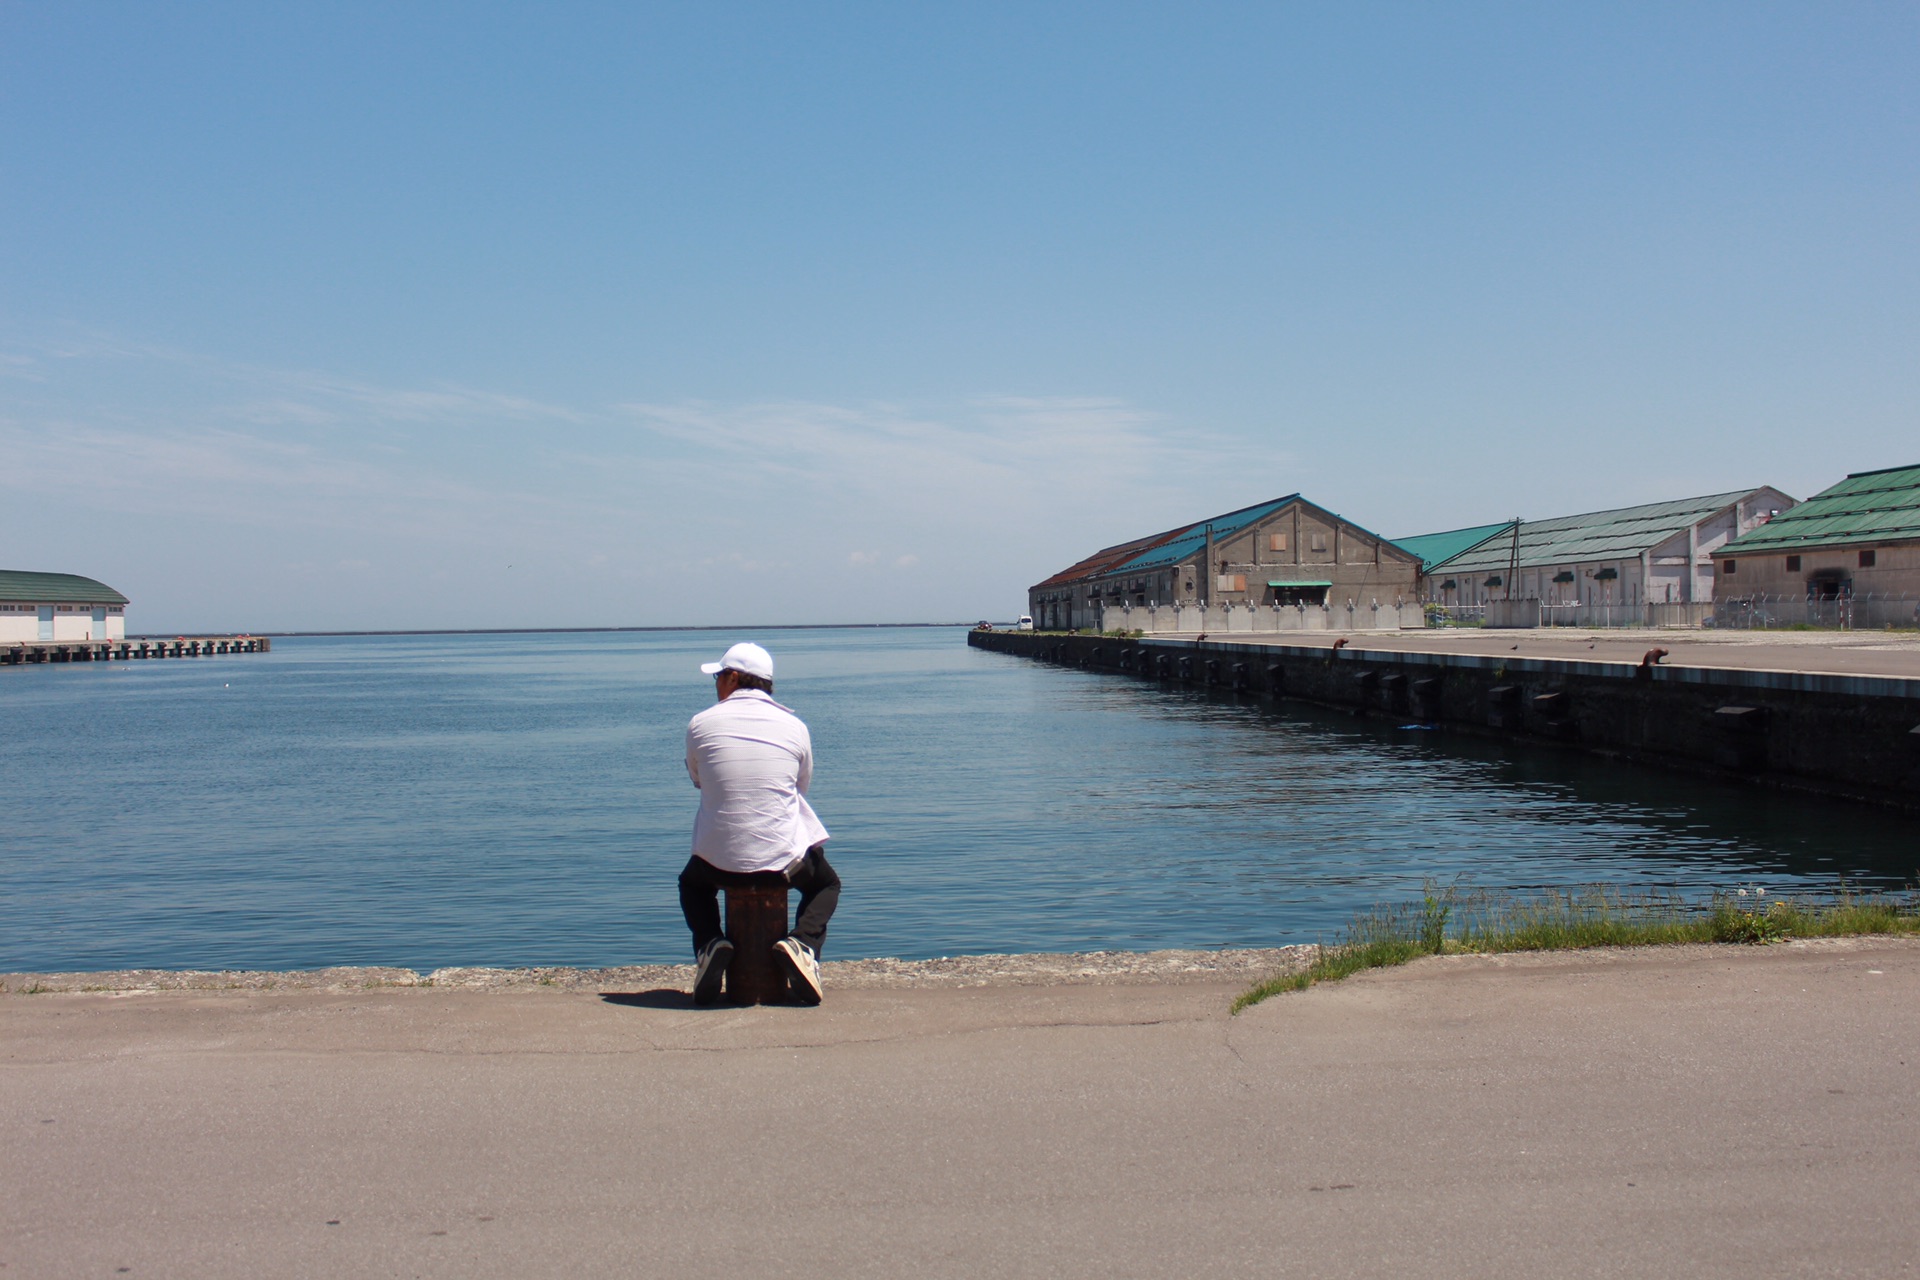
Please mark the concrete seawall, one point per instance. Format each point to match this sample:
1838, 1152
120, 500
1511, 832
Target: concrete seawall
1850, 735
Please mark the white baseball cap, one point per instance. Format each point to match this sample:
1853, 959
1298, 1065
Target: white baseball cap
748, 659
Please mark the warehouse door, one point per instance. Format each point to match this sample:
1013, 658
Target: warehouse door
46, 622
99, 622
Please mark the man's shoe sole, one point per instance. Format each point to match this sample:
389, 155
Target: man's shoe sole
706, 985
798, 982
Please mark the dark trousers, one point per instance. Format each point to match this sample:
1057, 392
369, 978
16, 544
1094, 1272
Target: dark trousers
818, 883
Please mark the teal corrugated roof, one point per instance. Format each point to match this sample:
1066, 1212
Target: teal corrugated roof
1868, 506
1163, 548
1432, 548
17, 586
1621, 534
1194, 536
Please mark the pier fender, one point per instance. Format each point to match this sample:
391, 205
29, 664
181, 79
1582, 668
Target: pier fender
1393, 691
1555, 711
1425, 698
1742, 732
1503, 706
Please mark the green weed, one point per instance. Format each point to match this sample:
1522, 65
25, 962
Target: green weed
1455, 921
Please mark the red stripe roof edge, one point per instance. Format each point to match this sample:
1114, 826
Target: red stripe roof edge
1101, 561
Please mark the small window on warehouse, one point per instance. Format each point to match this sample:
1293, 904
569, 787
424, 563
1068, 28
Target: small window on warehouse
1866, 559
1728, 566
1793, 564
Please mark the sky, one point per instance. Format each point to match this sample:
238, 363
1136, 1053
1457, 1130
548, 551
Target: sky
373, 316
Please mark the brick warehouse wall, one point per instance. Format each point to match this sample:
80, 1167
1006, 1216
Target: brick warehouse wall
1856, 736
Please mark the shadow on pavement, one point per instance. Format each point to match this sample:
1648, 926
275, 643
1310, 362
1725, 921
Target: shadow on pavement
659, 998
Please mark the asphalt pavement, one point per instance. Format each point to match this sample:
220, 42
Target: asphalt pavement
1699, 1111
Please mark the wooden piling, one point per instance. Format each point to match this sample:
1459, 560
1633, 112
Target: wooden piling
756, 919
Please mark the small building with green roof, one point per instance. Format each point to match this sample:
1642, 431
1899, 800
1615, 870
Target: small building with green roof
1858, 542
59, 607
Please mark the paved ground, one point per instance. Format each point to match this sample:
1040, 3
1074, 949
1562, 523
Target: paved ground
1848, 653
1711, 1111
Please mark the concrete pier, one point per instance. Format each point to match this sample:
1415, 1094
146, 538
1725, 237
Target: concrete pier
1837, 718
1700, 1111
22, 652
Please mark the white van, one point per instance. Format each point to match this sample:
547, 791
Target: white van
1025, 623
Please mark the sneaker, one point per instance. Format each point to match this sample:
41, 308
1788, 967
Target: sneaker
803, 970
710, 970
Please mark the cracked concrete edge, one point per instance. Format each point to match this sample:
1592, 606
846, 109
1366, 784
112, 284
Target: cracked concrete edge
1037, 969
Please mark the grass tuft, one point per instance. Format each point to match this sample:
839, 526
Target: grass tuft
1456, 921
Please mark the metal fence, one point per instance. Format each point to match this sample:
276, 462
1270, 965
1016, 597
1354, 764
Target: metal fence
1588, 616
1869, 611
1539, 613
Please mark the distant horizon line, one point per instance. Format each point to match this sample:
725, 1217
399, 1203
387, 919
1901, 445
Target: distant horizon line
534, 631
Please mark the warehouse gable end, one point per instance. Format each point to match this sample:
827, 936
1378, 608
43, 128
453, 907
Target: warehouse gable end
1284, 552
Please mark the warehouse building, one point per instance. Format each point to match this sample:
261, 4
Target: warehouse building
59, 606
1283, 553
1849, 554
1660, 553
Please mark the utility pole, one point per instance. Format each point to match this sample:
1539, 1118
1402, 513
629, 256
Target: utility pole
1513, 559
1209, 571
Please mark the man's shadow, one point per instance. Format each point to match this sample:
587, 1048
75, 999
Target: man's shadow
658, 998
671, 998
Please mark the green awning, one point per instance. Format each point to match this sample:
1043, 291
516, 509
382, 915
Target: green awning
1317, 582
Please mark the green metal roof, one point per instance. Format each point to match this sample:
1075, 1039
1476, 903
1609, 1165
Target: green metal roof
1868, 506
1620, 534
1432, 548
20, 587
1301, 582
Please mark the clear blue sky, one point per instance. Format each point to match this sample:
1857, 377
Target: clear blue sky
343, 315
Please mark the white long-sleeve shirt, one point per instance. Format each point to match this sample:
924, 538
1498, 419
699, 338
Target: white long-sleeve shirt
752, 760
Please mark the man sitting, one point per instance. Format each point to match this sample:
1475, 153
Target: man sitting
752, 760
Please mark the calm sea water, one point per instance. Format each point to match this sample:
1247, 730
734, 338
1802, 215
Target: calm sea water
520, 800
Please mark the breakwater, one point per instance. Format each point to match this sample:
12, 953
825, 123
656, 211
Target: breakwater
1850, 735
24, 652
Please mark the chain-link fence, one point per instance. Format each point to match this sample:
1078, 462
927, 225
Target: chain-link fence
1868, 610
1587, 616
1757, 612
1456, 615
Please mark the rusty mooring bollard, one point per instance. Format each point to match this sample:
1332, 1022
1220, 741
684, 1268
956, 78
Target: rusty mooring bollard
756, 919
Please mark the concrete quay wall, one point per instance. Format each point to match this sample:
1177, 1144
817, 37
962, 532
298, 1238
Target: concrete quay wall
1849, 735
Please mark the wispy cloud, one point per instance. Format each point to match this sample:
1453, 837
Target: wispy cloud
858, 509
991, 456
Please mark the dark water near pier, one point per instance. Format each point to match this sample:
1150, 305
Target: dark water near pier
519, 800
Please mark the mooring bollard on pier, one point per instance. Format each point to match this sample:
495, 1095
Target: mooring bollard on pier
756, 919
